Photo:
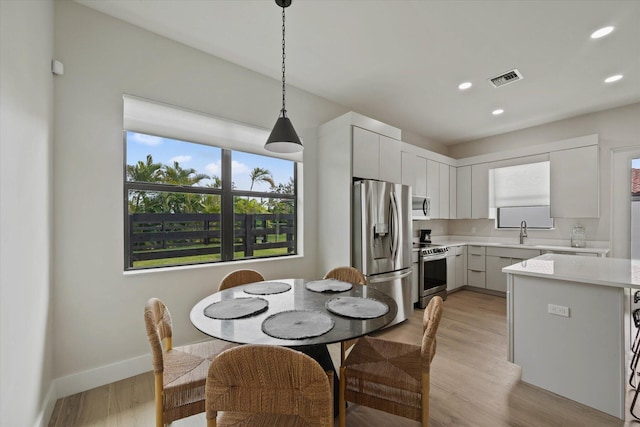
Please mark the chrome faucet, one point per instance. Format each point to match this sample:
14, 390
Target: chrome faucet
523, 231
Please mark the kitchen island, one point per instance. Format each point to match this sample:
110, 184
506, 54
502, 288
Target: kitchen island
566, 326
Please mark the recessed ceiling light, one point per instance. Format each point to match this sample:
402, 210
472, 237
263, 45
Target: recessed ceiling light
601, 32
497, 112
465, 85
612, 79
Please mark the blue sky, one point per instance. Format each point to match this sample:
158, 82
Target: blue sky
206, 159
635, 163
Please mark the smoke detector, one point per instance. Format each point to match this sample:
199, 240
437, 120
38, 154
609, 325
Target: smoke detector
506, 78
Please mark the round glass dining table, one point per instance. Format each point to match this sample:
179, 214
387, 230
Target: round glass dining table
249, 329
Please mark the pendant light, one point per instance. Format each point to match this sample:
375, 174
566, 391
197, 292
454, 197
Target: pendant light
283, 138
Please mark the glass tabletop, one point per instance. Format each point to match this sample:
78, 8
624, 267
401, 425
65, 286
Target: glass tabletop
249, 330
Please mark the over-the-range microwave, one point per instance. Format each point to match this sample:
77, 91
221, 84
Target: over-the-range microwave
420, 207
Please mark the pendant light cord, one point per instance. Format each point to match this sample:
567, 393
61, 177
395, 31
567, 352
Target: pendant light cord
284, 110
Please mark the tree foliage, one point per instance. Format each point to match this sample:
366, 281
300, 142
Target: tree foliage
141, 201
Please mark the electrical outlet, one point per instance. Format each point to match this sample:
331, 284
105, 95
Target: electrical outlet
558, 310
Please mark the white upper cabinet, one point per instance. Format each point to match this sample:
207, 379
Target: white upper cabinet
414, 173
389, 160
366, 154
575, 186
433, 187
376, 156
453, 192
444, 191
463, 192
480, 190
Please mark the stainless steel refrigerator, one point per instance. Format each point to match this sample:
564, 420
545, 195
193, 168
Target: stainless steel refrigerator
382, 239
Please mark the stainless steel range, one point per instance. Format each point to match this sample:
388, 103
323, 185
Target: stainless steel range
433, 272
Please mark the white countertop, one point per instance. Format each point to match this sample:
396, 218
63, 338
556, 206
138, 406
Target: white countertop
541, 247
616, 272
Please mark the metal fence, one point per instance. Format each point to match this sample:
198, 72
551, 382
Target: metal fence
154, 236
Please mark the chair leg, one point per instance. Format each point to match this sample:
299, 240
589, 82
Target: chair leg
342, 411
426, 387
633, 404
158, 399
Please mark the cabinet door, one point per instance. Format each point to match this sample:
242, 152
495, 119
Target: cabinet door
453, 203
463, 192
366, 156
460, 270
433, 187
408, 170
496, 279
575, 183
451, 272
414, 173
480, 190
389, 158
444, 191
415, 281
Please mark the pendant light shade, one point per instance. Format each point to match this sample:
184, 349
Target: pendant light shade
283, 137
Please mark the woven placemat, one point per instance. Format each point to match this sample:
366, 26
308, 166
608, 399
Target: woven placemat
236, 308
357, 307
297, 324
267, 288
328, 285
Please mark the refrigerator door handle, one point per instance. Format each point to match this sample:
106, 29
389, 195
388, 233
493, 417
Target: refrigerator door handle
394, 226
386, 277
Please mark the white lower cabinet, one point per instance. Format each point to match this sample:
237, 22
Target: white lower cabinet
415, 276
456, 267
498, 258
476, 266
496, 279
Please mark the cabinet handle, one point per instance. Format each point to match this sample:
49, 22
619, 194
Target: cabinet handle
476, 271
476, 255
505, 257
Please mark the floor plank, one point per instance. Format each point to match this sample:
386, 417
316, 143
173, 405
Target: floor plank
472, 384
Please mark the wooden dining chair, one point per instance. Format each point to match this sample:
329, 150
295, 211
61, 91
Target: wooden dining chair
390, 376
350, 275
239, 277
259, 385
180, 373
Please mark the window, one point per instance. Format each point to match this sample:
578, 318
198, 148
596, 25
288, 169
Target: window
521, 193
191, 203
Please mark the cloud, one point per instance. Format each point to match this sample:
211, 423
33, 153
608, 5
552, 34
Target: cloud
239, 168
213, 168
143, 139
180, 159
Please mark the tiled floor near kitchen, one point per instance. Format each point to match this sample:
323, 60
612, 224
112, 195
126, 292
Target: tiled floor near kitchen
472, 384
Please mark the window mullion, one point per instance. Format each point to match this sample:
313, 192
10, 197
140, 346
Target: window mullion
227, 225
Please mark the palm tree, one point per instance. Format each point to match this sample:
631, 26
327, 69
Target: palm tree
261, 175
142, 172
180, 202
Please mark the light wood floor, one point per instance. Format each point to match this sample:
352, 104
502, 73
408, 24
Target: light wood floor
472, 384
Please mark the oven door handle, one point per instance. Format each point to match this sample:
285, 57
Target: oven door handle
432, 258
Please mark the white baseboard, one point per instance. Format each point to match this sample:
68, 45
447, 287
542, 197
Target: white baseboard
47, 407
82, 381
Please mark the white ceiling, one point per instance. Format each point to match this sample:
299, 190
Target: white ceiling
400, 61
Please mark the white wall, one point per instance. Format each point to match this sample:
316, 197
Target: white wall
26, 123
97, 308
616, 128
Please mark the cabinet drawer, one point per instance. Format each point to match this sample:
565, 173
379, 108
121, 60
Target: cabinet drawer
475, 262
513, 252
476, 278
477, 250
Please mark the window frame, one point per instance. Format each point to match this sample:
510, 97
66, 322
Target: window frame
227, 196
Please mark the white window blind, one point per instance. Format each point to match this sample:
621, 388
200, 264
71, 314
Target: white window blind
155, 118
521, 185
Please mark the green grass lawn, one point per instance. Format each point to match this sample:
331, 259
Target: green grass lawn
200, 259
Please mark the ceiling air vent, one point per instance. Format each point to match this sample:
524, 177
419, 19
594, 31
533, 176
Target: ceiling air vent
506, 78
